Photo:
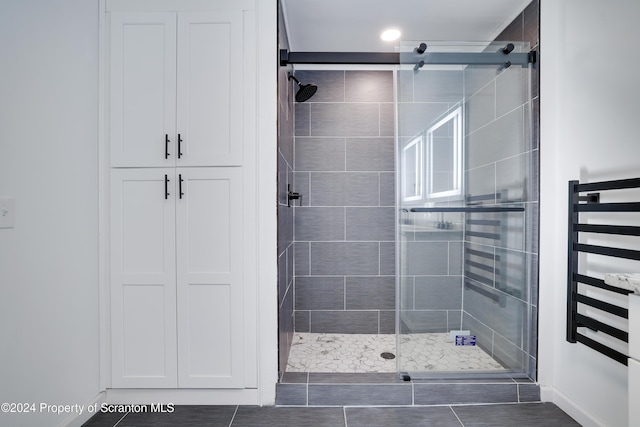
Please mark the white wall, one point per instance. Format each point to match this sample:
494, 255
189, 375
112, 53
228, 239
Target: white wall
48, 163
589, 131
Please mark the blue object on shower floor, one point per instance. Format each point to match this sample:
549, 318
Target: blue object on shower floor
465, 340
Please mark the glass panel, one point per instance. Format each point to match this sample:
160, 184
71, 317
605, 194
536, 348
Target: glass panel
464, 261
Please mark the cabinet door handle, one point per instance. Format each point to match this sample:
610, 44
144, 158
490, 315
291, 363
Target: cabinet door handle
166, 186
179, 146
166, 146
180, 185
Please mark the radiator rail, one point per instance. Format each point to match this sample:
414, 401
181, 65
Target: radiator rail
591, 203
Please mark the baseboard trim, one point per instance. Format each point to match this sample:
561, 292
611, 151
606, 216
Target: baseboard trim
183, 397
550, 394
89, 410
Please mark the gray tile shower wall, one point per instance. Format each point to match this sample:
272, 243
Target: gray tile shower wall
345, 221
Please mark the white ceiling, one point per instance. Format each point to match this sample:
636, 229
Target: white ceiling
355, 25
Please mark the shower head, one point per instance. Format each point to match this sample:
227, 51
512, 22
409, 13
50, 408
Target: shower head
305, 91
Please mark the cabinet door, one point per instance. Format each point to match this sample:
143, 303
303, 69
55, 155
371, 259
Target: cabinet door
634, 326
210, 278
142, 87
143, 278
633, 391
210, 89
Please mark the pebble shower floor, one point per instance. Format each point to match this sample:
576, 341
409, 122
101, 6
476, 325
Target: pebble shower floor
361, 353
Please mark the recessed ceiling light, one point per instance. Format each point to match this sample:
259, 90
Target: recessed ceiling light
390, 35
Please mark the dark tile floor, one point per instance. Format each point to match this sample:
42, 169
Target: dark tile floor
509, 415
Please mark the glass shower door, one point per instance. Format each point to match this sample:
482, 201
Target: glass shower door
465, 189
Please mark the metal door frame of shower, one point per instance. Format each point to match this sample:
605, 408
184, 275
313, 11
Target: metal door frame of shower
425, 58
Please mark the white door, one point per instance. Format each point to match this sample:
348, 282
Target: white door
143, 278
210, 278
210, 90
142, 87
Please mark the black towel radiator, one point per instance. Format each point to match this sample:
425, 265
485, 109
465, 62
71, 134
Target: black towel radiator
575, 293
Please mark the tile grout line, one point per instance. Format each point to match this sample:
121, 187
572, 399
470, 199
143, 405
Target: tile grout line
234, 415
456, 415
120, 420
413, 393
344, 293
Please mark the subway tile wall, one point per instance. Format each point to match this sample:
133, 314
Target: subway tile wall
345, 221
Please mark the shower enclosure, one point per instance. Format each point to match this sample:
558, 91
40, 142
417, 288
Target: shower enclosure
415, 212
466, 188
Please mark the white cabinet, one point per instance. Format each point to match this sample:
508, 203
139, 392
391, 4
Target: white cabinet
634, 359
177, 278
175, 88
634, 391
180, 194
178, 169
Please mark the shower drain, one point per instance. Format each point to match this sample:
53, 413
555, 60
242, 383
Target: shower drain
387, 355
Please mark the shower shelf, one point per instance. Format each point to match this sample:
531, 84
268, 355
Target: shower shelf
575, 294
470, 209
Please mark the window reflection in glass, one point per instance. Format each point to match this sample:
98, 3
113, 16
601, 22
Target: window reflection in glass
412, 176
444, 156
